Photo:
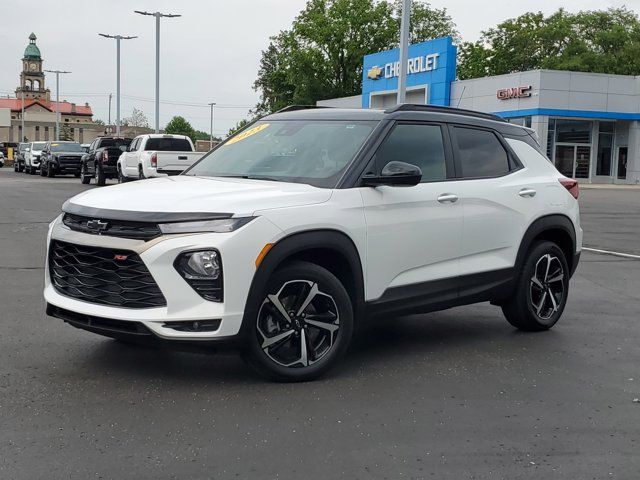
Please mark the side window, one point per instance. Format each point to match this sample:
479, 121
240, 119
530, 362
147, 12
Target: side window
480, 153
138, 143
133, 146
419, 144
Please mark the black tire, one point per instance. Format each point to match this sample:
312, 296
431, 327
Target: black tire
541, 293
330, 306
33, 171
141, 173
77, 175
84, 178
121, 177
50, 172
100, 178
43, 172
16, 167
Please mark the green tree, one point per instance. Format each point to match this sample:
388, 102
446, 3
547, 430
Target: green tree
239, 126
66, 132
179, 126
605, 41
200, 135
321, 55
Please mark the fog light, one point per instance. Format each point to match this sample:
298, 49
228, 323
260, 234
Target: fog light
203, 271
205, 264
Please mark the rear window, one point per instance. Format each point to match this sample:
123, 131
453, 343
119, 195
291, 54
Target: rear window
168, 145
480, 153
115, 142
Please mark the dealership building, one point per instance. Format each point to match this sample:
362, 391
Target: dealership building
588, 123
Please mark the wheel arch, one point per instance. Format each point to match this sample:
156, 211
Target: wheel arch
556, 228
330, 249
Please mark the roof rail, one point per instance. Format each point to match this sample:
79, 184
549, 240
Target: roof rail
293, 108
411, 107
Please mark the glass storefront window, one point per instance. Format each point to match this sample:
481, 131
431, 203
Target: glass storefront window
605, 148
573, 131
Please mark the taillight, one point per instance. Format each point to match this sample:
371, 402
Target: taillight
105, 157
571, 185
154, 159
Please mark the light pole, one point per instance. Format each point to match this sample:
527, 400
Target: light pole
22, 116
118, 38
404, 51
57, 72
212, 104
158, 15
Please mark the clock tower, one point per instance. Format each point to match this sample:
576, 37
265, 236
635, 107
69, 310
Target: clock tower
32, 76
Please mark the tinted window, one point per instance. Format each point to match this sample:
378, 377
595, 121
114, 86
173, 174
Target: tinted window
168, 145
65, 147
114, 142
480, 153
420, 145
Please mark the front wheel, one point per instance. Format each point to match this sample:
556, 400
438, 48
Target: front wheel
43, 172
542, 289
121, 177
303, 326
50, 172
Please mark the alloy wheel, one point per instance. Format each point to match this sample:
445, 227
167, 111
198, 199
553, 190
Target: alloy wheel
547, 286
298, 325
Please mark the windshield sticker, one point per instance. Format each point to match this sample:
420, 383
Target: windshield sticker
247, 133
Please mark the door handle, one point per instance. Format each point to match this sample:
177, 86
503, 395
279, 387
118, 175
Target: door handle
447, 198
527, 192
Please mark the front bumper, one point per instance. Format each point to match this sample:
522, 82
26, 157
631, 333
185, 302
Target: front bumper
238, 251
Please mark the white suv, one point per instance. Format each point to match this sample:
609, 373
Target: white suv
308, 222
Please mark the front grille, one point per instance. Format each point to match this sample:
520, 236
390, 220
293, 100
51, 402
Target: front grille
117, 278
66, 161
112, 228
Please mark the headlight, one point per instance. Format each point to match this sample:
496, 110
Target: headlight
215, 226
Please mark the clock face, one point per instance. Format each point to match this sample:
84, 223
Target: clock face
32, 66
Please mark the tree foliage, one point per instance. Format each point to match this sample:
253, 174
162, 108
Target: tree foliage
180, 126
239, 126
321, 55
137, 119
604, 41
66, 132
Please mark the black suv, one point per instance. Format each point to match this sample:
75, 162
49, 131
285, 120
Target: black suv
61, 158
101, 162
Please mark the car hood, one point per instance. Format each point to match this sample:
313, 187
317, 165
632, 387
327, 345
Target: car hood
186, 194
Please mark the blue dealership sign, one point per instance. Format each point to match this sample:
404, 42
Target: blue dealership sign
431, 64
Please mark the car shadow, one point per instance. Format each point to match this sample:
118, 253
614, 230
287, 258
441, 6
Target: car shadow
380, 343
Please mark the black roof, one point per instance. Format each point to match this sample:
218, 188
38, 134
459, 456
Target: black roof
400, 112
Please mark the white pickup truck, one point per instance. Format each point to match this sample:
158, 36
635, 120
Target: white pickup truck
156, 155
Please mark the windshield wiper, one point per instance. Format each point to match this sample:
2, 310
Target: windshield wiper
252, 177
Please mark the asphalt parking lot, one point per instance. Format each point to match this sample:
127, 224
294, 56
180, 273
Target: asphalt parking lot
456, 394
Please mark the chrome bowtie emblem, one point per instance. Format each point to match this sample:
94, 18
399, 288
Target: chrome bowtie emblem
97, 225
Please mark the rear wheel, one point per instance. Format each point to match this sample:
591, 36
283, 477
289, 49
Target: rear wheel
121, 177
100, 178
141, 175
542, 289
84, 177
303, 326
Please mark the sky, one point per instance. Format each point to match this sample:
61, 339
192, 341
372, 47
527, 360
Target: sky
209, 54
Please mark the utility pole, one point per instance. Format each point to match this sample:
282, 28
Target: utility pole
158, 15
109, 122
212, 104
57, 72
404, 51
118, 38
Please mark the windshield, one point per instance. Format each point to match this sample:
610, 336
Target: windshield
66, 147
299, 151
38, 145
23, 146
168, 145
115, 142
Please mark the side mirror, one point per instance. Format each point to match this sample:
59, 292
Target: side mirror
395, 173
124, 148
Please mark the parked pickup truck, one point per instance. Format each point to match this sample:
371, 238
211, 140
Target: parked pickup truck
101, 161
156, 155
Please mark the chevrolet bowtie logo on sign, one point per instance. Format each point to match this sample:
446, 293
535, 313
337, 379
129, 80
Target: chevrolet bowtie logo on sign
374, 73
